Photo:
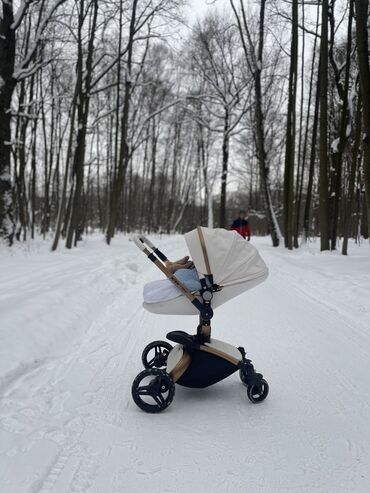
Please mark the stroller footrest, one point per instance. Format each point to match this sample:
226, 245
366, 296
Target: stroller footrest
183, 338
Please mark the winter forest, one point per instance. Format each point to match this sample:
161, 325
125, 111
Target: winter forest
127, 116
233, 135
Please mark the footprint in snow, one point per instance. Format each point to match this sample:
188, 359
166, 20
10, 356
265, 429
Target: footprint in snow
132, 266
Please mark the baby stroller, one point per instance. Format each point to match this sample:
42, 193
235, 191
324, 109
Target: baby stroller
227, 265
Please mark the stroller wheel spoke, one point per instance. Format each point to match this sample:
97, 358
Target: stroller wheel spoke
159, 400
144, 390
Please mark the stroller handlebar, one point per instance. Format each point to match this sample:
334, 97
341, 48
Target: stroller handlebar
146, 246
145, 240
142, 242
139, 242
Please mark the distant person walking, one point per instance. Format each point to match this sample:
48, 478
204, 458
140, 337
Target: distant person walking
241, 225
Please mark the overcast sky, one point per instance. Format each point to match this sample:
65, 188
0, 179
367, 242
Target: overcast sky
197, 8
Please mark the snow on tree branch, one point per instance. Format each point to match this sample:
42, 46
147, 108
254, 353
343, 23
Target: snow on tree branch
19, 71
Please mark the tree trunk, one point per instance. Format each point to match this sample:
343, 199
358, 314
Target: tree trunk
352, 177
311, 172
344, 121
63, 200
362, 14
21, 133
291, 132
324, 197
45, 222
301, 156
33, 177
225, 159
255, 64
7, 85
272, 223
118, 183
83, 102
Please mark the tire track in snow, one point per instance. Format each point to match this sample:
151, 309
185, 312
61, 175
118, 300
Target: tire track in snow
105, 399
341, 328
104, 355
46, 390
81, 404
335, 383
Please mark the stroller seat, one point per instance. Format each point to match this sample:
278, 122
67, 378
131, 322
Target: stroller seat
236, 268
181, 306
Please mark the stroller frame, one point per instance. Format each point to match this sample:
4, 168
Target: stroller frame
197, 361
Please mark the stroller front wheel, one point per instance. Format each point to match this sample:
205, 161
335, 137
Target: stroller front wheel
155, 354
153, 390
258, 392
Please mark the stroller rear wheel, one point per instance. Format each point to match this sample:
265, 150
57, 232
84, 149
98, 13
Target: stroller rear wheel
258, 391
153, 390
155, 354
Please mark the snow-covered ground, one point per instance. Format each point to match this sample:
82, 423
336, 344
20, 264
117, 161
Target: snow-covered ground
71, 334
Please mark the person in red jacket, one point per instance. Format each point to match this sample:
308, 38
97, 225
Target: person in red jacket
241, 225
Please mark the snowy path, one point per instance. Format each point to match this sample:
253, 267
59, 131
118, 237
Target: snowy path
68, 424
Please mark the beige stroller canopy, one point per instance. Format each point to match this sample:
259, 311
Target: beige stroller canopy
232, 259
235, 264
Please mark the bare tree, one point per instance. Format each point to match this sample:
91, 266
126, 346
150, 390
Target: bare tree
344, 119
254, 59
362, 16
10, 74
83, 87
215, 59
324, 186
290, 149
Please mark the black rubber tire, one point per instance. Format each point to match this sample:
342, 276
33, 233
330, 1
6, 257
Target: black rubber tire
162, 350
160, 390
258, 391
